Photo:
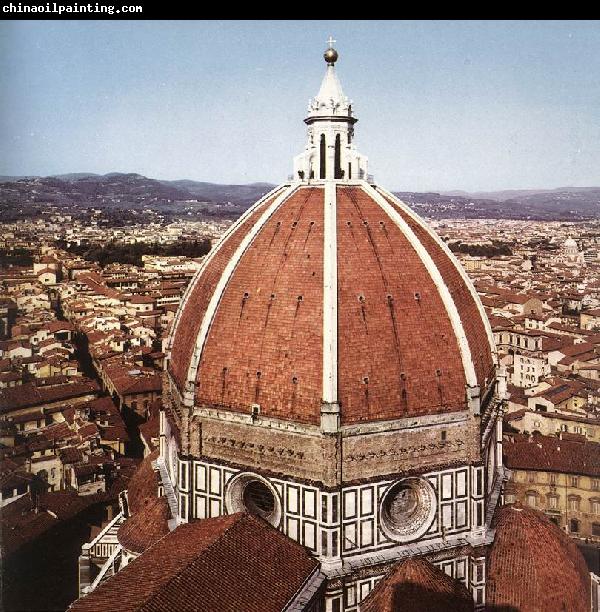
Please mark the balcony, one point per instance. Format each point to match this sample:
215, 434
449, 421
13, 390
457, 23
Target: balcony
169, 492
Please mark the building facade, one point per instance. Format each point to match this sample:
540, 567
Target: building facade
559, 476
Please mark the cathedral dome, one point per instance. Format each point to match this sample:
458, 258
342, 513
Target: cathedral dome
570, 243
331, 292
534, 565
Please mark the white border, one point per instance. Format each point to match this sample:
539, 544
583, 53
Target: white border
330, 296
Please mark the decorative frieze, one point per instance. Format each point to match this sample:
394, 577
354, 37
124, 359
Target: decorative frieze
421, 450
260, 449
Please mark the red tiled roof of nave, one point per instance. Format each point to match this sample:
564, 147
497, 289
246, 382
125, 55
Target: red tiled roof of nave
228, 564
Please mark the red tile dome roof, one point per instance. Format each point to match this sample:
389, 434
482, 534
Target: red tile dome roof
145, 527
416, 585
534, 565
143, 485
335, 286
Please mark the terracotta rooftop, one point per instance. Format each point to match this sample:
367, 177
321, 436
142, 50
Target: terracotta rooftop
560, 392
29, 395
145, 527
126, 382
114, 433
141, 299
550, 454
188, 566
58, 326
577, 349
143, 485
21, 524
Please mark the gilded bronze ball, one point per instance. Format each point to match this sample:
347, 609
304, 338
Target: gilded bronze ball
330, 56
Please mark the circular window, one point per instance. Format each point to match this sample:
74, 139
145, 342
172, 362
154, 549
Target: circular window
253, 494
258, 499
407, 509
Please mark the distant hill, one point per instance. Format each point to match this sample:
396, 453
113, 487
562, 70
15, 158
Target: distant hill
10, 179
85, 187
214, 192
512, 194
565, 203
74, 176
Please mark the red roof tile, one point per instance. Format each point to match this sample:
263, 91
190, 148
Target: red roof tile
143, 485
145, 527
467, 308
549, 454
20, 523
30, 395
202, 288
391, 361
286, 261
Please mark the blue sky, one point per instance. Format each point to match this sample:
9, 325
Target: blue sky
441, 105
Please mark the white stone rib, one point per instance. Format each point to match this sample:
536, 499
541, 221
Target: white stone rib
330, 298
209, 257
455, 262
220, 288
441, 286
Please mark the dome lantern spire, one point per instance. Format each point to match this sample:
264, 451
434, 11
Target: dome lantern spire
330, 152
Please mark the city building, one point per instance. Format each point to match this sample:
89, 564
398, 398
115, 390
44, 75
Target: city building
559, 476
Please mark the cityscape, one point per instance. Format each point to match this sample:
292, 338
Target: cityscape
391, 397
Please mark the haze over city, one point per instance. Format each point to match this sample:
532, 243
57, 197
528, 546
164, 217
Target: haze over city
474, 106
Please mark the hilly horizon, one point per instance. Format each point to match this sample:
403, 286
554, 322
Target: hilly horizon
198, 187
123, 190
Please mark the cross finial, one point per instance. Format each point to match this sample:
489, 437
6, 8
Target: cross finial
331, 54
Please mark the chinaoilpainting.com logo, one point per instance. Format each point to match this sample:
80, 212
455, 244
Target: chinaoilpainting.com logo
54, 7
